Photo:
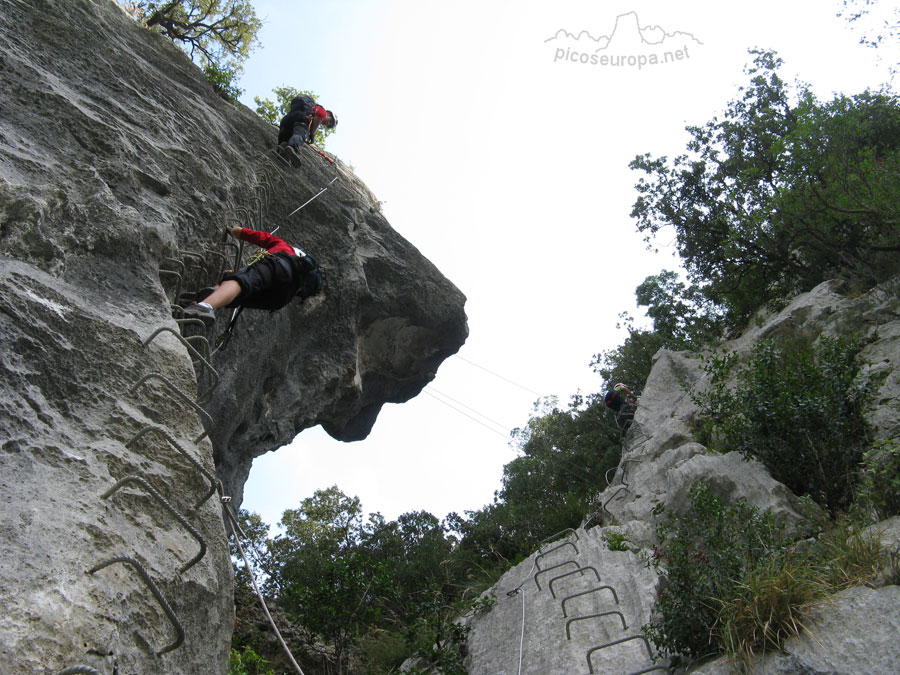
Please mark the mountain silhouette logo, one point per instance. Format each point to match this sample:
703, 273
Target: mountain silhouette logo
629, 45
627, 33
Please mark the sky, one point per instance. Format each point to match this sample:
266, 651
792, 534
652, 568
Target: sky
501, 151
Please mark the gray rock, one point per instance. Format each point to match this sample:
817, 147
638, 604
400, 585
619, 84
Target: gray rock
661, 459
118, 161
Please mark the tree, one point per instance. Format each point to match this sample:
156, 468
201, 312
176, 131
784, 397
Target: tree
272, 112
210, 31
781, 194
321, 576
879, 23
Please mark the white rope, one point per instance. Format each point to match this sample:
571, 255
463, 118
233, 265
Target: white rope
235, 528
522, 636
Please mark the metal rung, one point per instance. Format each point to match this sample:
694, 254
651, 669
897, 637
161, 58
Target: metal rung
594, 616
177, 262
215, 484
169, 273
555, 548
142, 573
593, 590
184, 398
617, 642
568, 574
190, 348
171, 509
554, 536
78, 670
611, 498
562, 564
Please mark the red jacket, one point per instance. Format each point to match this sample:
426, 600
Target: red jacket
267, 241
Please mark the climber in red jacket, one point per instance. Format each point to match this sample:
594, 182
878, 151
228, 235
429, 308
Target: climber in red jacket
271, 282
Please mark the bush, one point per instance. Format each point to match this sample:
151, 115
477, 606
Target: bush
878, 489
248, 662
735, 585
706, 554
797, 409
222, 79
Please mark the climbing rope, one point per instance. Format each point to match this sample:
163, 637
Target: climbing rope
235, 529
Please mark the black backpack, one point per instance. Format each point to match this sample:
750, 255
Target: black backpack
303, 104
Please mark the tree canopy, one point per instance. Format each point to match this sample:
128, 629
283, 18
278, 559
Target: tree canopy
210, 31
780, 194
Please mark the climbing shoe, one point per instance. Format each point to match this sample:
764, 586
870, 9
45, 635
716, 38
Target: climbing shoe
206, 314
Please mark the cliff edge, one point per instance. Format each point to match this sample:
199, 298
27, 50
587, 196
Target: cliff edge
122, 429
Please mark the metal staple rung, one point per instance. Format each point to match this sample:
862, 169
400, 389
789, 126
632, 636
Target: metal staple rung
553, 567
555, 548
616, 642
594, 616
568, 574
554, 536
190, 348
593, 590
215, 484
612, 497
182, 396
78, 670
177, 516
167, 609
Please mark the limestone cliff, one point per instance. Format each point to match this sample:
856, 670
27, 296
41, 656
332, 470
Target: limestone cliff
118, 435
575, 606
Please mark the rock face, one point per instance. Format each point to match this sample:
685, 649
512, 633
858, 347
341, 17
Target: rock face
661, 459
118, 436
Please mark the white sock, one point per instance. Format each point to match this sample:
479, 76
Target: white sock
207, 305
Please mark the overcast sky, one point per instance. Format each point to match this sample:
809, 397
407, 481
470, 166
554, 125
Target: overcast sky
498, 138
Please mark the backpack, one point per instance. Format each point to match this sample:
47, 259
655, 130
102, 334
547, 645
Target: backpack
303, 104
313, 276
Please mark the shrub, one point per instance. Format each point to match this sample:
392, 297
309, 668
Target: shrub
248, 662
878, 489
706, 554
735, 585
222, 79
797, 409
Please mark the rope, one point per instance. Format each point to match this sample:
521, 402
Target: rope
522, 636
235, 528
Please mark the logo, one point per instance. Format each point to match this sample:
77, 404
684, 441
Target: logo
629, 45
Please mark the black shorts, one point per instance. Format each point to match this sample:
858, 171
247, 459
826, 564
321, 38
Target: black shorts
269, 283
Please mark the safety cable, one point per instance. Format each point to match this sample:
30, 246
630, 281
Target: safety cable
235, 529
466, 414
505, 379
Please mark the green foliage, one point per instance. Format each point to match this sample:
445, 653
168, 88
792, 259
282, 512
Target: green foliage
797, 408
210, 31
705, 555
222, 79
320, 574
878, 489
781, 193
616, 541
248, 662
736, 585
272, 112
681, 314
768, 606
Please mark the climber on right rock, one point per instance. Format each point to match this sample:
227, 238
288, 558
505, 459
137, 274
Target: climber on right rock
622, 401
